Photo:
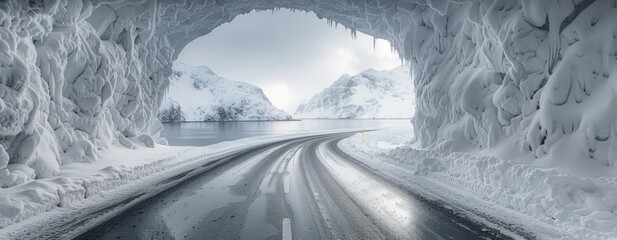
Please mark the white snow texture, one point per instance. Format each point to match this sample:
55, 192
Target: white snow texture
369, 94
546, 202
78, 75
198, 94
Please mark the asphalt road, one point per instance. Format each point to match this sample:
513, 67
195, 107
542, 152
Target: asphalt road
301, 189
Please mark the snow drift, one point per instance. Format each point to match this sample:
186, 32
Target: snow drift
76, 76
369, 94
198, 94
546, 202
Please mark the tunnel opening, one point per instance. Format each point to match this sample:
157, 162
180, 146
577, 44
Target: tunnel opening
298, 67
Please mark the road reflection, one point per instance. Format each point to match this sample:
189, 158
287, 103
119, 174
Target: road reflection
392, 208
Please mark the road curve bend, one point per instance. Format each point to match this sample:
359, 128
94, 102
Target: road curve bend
304, 188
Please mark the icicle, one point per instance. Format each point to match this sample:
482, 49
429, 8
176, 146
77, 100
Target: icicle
353, 29
374, 42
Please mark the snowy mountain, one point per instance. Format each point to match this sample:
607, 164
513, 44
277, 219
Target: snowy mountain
198, 94
370, 94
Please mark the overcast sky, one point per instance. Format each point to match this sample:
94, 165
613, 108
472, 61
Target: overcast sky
290, 55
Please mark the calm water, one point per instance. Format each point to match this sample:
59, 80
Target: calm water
206, 133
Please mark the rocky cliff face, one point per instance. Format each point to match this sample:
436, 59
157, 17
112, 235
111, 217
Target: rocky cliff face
171, 111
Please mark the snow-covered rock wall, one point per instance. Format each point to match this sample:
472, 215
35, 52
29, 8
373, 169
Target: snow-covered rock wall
77, 75
537, 75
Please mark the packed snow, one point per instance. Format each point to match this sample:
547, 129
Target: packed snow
369, 94
546, 203
198, 94
534, 81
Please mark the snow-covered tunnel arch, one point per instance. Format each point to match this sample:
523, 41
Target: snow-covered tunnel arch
78, 75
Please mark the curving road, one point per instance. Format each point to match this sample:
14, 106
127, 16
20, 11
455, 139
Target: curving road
301, 189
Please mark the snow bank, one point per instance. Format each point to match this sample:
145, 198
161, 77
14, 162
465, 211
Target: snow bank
79, 181
579, 207
199, 94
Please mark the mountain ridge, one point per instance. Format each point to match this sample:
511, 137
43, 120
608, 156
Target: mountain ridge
370, 94
196, 93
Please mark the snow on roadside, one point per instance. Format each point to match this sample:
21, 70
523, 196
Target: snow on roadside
545, 202
116, 167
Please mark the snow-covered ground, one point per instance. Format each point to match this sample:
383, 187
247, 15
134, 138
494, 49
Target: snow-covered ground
118, 168
546, 201
369, 94
198, 94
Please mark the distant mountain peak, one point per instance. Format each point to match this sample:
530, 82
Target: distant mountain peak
198, 94
369, 94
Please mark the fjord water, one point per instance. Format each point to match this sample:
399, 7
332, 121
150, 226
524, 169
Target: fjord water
206, 133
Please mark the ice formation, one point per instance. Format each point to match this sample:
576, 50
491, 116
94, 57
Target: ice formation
76, 76
199, 94
369, 94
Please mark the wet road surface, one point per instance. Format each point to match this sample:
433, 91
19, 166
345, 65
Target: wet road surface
298, 189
